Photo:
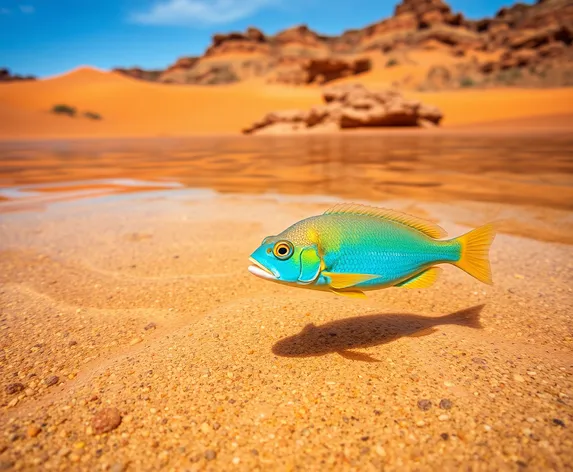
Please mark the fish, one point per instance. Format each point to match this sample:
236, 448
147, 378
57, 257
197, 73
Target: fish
352, 248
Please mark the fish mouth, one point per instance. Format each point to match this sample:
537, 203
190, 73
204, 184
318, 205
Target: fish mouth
260, 270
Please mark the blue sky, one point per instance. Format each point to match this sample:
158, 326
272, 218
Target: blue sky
47, 37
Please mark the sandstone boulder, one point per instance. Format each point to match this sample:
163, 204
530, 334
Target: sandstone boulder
350, 106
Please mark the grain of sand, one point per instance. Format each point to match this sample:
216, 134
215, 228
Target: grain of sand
144, 309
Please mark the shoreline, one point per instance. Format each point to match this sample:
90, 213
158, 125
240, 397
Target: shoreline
523, 126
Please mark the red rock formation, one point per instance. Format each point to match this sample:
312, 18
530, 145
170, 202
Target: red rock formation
524, 35
6, 76
350, 106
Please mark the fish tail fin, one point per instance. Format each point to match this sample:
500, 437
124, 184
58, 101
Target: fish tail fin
469, 317
474, 252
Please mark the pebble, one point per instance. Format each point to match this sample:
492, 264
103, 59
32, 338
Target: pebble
236, 460
72, 343
13, 388
5, 465
135, 341
518, 378
106, 420
216, 426
424, 404
445, 404
443, 417
445, 436
558, 422
52, 380
420, 423
33, 431
151, 325
117, 467
210, 454
447, 383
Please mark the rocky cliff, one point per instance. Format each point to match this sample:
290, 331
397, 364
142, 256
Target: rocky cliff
521, 45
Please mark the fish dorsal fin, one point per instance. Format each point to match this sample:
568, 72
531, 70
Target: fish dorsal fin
424, 226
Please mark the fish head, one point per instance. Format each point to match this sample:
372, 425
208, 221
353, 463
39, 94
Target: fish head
279, 259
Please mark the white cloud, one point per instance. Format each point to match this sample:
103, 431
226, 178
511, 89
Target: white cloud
27, 9
181, 12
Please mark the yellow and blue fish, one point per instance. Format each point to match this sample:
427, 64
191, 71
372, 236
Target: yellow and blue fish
354, 248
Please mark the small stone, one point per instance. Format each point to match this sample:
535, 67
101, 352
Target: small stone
424, 404
518, 378
445, 404
558, 422
117, 467
106, 420
487, 427
447, 383
445, 436
205, 428
443, 417
151, 325
29, 392
79, 445
210, 454
72, 343
135, 341
236, 460
420, 423
14, 388
216, 426
52, 380
13, 402
33, 431
5, 465
74, 457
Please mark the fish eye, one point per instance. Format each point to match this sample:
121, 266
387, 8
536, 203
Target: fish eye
283, 250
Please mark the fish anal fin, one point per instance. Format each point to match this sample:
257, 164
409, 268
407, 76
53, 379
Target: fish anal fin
341, 280
424, 226
349, 293
424, 280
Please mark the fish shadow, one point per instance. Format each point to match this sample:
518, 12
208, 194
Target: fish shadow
360, 332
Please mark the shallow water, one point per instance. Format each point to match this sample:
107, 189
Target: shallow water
535, 170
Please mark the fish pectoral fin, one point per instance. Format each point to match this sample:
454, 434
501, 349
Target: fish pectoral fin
349, 293
356, 356
423, 280
338, 280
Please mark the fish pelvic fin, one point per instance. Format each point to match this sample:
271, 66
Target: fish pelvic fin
474, 253
423, 280
340, 280
349, 293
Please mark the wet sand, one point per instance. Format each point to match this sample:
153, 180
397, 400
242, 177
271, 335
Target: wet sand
142, 302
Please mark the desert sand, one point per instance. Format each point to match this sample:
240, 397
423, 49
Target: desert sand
205, 367
132, 108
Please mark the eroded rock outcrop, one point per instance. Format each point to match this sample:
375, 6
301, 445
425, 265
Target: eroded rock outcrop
7, 76
350, 106
533, 42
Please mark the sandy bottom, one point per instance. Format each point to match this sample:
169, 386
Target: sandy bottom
143, 303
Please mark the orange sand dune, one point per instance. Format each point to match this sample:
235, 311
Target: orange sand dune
135, 108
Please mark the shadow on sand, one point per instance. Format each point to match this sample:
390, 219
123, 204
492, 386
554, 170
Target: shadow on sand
367, 331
